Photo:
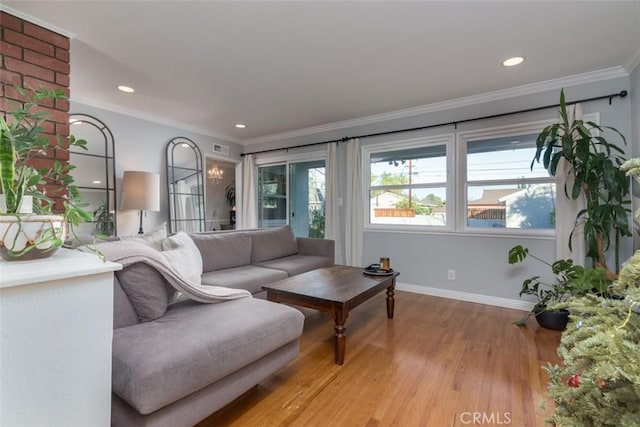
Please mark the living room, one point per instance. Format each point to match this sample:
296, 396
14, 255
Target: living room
453, 261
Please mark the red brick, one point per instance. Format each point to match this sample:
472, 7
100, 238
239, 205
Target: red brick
10, 77
10, 21
62, 105
29, 42
62, 129
36, 83
62, 54
54, 115
29, 69
11, 93
62, 155
46, 61
49, 103
49, 127
62, 79
46, 35
11, 50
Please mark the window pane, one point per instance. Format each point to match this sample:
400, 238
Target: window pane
425, 206
272, 196
424, 165
511, 206
503, 158
306, 196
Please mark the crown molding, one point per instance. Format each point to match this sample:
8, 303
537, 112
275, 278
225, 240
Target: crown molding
154, 118
37, 21
634, 62
528, 89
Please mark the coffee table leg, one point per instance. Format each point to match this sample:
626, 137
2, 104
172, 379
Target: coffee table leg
390, 300
339, 318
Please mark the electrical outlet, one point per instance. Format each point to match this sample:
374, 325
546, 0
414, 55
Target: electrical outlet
451, 275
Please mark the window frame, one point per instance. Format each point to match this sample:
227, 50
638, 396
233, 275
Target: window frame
448, 140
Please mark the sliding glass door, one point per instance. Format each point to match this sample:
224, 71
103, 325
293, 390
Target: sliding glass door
293, 193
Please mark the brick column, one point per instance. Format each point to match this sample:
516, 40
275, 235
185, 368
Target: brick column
34, 56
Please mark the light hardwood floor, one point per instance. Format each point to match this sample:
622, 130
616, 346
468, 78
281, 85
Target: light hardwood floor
439, 362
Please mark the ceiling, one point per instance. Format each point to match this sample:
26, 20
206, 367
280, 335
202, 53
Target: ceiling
284, 66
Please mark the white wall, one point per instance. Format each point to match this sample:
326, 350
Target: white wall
141, 145
424, 259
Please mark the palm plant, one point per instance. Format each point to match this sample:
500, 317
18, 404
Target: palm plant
594, 174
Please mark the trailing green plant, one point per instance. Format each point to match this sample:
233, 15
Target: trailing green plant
594, 174
570, 280
21, 141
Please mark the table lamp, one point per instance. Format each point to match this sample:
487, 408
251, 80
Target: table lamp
140, 191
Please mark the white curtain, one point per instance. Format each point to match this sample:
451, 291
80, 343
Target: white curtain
332, 205
249, 207
354, 209
567, 208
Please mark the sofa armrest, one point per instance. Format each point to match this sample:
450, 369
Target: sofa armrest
318, 247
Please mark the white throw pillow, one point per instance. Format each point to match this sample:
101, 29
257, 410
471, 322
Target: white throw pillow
180, 251
153, 238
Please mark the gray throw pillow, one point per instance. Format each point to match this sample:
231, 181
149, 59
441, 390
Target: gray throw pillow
147, 290
271, 244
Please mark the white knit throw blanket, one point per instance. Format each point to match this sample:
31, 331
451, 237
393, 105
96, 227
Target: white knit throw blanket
127, 252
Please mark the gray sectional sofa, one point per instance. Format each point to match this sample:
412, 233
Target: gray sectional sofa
176, 363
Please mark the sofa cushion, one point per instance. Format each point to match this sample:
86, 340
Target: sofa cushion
223, 250
181, 253
247, 277
273, 243
194, 345
146, 289
296, 264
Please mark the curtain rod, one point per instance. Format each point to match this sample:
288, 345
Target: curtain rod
620, 94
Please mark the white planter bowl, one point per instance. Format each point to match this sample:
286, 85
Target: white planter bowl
25, 237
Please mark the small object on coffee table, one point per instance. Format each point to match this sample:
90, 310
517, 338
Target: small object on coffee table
337, 290
376, 270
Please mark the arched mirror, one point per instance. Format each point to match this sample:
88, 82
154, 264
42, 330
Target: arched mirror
185, 185
95, 173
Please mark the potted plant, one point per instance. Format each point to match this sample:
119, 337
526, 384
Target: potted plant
105, 224
595, 175
570, 280
28, 230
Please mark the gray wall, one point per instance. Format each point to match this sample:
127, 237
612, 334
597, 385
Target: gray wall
141, 145
480, 261
635, 110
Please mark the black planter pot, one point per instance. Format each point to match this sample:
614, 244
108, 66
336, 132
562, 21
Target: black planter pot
556, 320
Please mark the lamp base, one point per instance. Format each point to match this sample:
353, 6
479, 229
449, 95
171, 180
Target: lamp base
141, 231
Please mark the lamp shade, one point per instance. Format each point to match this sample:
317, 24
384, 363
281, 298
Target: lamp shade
140, 191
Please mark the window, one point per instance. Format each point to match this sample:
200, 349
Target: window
408, 186
501, 188
477, 181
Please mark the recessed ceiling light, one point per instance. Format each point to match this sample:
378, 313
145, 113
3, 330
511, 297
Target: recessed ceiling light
126, 89
240, 125
510, 62
97, 181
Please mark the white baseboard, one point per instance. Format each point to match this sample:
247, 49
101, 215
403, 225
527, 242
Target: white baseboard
466, 296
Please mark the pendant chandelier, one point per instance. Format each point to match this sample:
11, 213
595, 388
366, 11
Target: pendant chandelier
215, 174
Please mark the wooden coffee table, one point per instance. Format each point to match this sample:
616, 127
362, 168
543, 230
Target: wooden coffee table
337, 290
